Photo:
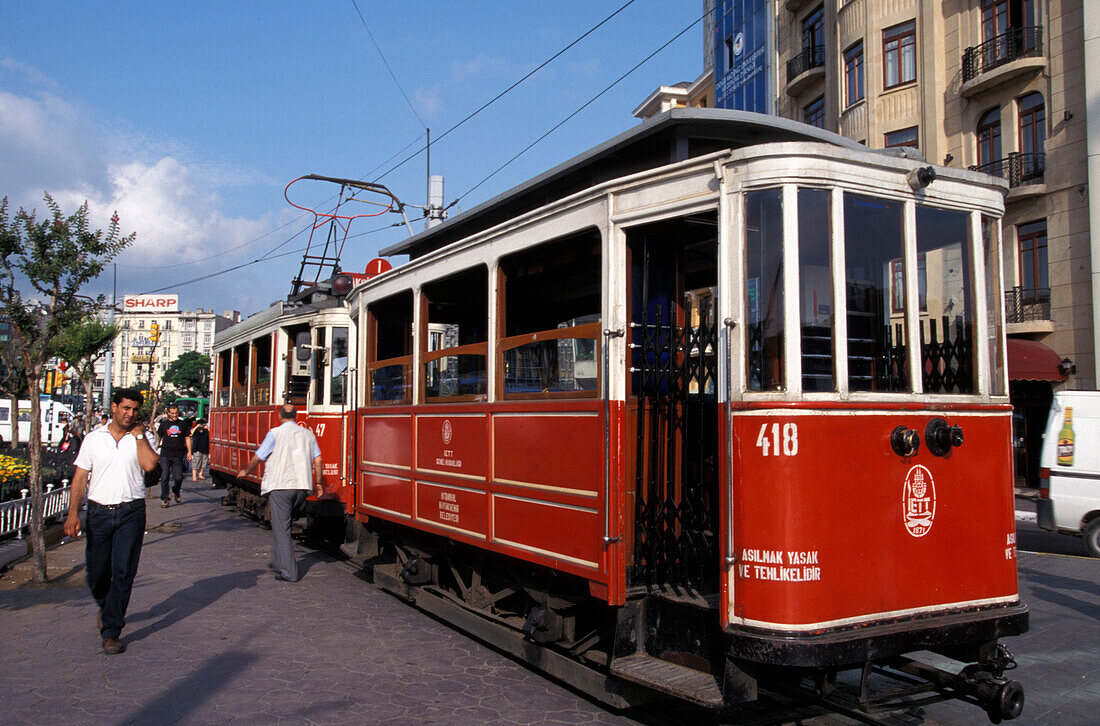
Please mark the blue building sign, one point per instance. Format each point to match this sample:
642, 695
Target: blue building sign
742, 50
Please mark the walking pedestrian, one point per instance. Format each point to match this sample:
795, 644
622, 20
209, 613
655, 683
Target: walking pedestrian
293, 469
200, 450
109, 468
173, 440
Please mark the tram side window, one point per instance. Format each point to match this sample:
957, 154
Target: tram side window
261, 382
390, 362
815, 280
947, 312
338, 381
990, 239
223, 377
240, 375
457, 320
873, 240
764, 288
550, 343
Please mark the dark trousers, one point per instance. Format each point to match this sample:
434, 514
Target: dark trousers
112, 554
283, 503
171, 467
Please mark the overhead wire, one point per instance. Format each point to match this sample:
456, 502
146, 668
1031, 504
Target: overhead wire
252, 241
583, 106
263, 258
269, 254
387, 63
497, 97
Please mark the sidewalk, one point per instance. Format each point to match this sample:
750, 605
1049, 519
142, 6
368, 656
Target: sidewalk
212, 637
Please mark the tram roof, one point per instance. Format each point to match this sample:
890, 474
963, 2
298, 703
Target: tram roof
675, 135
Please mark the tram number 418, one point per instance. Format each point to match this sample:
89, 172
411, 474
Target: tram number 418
772, 444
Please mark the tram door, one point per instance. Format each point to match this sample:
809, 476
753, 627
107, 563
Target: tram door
672, 406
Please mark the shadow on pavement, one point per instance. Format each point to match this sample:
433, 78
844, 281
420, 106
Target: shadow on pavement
180, 698
190, 600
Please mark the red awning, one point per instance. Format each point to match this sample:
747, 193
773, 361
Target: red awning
1030, 360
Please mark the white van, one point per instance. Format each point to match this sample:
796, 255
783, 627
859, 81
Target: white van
53, 425
1069, 487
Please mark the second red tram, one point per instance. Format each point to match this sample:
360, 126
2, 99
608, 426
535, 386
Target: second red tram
720, 401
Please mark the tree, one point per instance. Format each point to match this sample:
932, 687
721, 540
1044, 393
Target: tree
55, 257
190, 374
81, 345
13, 382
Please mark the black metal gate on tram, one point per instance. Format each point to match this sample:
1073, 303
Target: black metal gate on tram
675, 381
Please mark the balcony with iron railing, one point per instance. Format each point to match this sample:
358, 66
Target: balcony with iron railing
1019, 169
805, 69
1010, 54
1027, 305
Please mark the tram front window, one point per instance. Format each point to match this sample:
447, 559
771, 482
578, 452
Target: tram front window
339, 368
947, 310
815, 279
873, 242
764, 288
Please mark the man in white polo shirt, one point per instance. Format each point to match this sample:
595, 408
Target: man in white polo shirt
109, 467
293, 469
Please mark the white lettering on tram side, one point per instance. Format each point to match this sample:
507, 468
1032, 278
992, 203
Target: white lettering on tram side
448, 459
779, 566
448, 507
771, 444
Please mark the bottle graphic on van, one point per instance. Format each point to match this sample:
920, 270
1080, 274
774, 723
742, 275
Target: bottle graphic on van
1065, 440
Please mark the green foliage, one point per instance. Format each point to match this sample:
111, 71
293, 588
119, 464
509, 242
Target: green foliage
189, 374
81, 345
55, 258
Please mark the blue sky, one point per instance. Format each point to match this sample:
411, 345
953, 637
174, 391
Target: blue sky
190, 118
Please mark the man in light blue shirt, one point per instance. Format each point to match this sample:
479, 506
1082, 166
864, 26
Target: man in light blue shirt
293, 468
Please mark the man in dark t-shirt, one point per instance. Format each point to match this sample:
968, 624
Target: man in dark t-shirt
174, 440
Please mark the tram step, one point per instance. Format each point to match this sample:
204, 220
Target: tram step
676, 680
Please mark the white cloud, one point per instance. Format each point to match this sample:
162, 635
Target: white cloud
50, 144
170, 206
483, 65
428, 100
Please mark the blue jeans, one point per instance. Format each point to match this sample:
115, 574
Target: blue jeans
112, 554
171, 467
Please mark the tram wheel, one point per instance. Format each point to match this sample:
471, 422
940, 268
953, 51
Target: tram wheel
1092, 537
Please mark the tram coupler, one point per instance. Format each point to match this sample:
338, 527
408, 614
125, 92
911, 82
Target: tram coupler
983, 682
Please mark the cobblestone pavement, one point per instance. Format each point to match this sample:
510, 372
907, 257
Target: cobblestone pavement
213, 638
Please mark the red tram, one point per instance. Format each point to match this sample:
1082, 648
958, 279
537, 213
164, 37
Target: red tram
302, 349
719, 402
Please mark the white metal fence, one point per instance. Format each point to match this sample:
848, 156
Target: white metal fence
15, 515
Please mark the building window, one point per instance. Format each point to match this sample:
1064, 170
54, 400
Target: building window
813, 113
989, 138
899, 50
902, 137
1033, 256
727, 57
1033, 114
994, 18
813, 29
853, 73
